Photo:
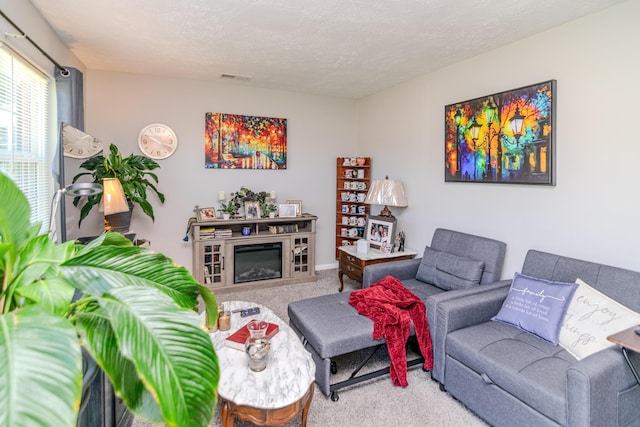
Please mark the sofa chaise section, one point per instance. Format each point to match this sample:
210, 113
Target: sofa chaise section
330, 327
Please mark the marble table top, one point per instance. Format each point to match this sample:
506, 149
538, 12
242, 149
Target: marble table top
374, 254
287, 377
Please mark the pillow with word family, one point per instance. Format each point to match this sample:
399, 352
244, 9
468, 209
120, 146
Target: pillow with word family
536, 306
590, 319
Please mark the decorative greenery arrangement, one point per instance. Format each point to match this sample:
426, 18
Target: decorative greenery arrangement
246, 195
133, 172
135, 315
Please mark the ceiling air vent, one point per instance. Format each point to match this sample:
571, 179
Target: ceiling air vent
234, 77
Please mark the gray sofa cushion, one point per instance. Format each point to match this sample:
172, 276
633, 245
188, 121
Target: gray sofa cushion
448, 271
518, 362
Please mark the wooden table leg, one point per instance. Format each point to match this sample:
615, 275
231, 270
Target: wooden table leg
226, 415
340, 274
307, 405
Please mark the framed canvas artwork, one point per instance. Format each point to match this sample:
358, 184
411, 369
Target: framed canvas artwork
233, 141
507, 137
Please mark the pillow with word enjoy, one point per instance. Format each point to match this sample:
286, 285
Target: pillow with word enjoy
536, 306
591, 317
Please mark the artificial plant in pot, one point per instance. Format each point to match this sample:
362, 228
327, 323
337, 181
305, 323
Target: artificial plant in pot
133, 172
134, 314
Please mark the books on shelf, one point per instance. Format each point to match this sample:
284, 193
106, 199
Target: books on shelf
223, 232
237, 339
207, 232
283, 228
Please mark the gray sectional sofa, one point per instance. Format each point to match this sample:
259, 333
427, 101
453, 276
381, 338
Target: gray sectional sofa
330, 327
510, 377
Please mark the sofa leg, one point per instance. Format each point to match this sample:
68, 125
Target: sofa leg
442, 388
334, 396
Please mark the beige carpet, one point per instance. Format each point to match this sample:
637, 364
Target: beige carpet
372, 403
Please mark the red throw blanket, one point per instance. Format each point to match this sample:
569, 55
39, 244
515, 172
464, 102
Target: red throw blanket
392, 307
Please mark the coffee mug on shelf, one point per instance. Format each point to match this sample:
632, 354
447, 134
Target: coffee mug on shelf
345, 196
345, 208
347, 185
354, 209
353, 220
344, 232
345, 220
348, 173
353, 232
361, 197
346, 243
353, 197
360, 174
362, 210
361, 221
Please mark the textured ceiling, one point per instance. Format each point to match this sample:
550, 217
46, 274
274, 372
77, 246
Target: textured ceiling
348, 48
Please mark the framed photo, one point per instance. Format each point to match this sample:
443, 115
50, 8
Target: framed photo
380, 231
287, 211
252, 210
504, 138
206, 214
298, 204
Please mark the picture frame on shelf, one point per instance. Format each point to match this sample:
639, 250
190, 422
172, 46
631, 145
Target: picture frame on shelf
380, 231
287, 210
206, 214
252, 210
298, 204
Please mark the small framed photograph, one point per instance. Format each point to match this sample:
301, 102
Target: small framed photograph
298, 204
380, 231
252, 210
287, 211
206, 214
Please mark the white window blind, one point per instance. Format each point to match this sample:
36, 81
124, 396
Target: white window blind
24, 133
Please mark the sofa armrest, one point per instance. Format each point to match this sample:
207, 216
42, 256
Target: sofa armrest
401, 270
594, 388
438, 317
471, 310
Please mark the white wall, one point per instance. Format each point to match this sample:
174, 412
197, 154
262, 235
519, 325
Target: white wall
319, 129
592, 212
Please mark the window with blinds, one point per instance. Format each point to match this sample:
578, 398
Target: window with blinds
25, 149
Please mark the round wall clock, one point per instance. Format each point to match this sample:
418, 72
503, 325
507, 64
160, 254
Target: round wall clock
157, 141
78, 144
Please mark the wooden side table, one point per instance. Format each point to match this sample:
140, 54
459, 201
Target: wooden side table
353, 263
628, 340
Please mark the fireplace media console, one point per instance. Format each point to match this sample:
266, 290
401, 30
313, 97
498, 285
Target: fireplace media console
277, 251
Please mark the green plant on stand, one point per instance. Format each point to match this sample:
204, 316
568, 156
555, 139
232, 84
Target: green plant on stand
133, 172
134, 313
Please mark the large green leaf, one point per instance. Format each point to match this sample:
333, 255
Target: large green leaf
172, 354
40, 369
96, 271
101, 342
54, 294
15, 226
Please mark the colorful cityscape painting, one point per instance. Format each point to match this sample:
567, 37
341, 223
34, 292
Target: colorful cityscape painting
507, 137
233, 141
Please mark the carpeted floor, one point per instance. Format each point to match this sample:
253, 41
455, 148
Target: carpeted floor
372, 403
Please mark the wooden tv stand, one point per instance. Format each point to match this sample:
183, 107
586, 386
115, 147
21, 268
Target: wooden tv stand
213, 256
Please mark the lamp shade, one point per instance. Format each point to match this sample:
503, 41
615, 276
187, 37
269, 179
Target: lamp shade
113, 199
386, 192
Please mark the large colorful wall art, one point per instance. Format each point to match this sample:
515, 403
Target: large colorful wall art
233, 141
503, 138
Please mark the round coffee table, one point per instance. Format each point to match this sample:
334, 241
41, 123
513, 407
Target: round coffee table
274, 396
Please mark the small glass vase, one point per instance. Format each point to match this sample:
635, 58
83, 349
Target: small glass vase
257, 345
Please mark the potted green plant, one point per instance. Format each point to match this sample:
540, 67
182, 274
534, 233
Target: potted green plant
228, 209
134, 314
133, 172
268, 210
